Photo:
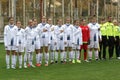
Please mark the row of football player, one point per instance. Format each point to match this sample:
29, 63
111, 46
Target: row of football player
44, 36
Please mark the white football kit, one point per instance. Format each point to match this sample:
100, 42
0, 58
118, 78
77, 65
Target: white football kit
69, 34
10, 32
52, 38
30, 39
37, 37
44, 36
20, 40
94, 35
77, 37
60, 38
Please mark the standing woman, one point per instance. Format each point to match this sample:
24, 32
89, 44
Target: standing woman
77, 41
85, 37
20, 42
10, 32
44, 39
30, 47
52, 41
37, 43
94, 28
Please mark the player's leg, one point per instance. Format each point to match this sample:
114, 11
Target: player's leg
78, 54
20, 59
52, 52
46, 51
70, 53
73, 54
85, 47
62, 51
56, 54
13, 65
8, 58
46, 55
90, 48
96, 46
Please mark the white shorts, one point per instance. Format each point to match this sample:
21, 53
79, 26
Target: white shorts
93, 44
75, 46
20, 48
37, 44
60, 45
44, 42
52, 46
10, 48
69, 44
30, 47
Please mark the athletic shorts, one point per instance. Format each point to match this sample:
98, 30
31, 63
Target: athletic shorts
60, 45
10, 48
20, 48
84, 46
93, 44
75, 46
44, 41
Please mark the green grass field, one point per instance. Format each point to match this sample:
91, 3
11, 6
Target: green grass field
100, 70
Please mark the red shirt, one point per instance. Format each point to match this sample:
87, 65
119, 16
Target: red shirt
85, 33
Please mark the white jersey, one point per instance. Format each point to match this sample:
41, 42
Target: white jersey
21, 37
44, 26
94, 31
77, 35
37, 34
30, 35
52, 34
10, 32
60, 36
68, 29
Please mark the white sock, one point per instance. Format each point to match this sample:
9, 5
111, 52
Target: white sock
65, 56
52, 56
73, 55
96, 54
25, 58
70, 55
7, 59
46, 58
56, 56
37, 58
62, 56
30, 58
13, 60
40, 57
90, 54
20, 60
77, 55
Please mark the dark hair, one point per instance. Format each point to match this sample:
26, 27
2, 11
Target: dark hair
10, 18
75, 21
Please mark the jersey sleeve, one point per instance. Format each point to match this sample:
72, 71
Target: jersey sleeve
5, 36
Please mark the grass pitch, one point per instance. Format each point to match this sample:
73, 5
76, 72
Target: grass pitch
100, 70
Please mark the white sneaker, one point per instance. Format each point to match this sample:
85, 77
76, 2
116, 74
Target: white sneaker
25, 66
13, 67
118, 57
8, 66
86, 60
32, 66
20, 66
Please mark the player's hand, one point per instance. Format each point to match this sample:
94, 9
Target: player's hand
61, 31
65, 42
44, 30
55, 43
52, 29
5, 46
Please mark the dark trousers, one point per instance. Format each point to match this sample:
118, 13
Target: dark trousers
117, 46
103, 46
111, 42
